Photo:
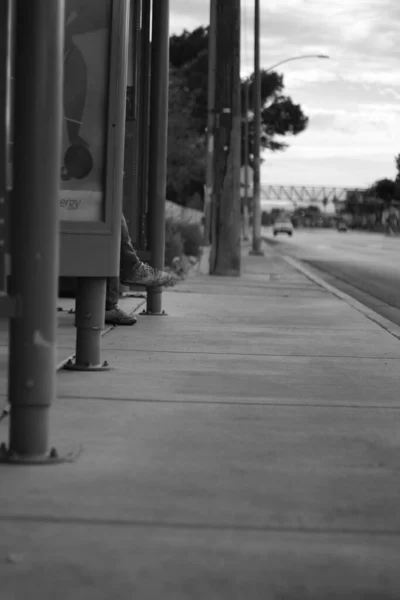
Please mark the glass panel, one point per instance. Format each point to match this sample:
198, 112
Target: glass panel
86, 92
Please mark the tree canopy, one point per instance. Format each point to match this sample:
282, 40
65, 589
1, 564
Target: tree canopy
188, 114
186, 148
374, 200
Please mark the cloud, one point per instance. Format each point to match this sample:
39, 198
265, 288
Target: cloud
352, 99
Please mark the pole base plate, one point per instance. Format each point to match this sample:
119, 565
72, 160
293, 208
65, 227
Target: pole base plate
70, 365
52, 457
148, 313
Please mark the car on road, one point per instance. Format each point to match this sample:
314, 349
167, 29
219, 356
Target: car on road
283, 225
341, 226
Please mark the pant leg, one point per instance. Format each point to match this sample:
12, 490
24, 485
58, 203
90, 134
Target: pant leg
112, 292
128, 257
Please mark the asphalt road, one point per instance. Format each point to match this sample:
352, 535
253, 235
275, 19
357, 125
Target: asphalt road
364, 265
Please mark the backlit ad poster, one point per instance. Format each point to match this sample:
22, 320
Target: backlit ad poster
86, 98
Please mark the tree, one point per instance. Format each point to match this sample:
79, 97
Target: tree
397, 162
186, 148
397, 180
280, 116
385, 189
189, 55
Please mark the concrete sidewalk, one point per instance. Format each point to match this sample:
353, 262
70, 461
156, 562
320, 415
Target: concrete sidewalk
244, 446
66, 334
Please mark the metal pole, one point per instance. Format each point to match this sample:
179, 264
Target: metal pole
5, 35
256, 249
212, 56
34, 222
131, 162
143, 124
135, 10
89, 322
158, 143
246, 161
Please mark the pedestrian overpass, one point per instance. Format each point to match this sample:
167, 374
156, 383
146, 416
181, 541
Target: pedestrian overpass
300, 195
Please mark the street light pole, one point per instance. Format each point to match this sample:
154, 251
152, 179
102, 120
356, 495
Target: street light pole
256, 247
300, 57
246, 161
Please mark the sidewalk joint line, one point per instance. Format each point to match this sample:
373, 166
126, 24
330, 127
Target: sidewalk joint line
187, 525
253, 354
243, 403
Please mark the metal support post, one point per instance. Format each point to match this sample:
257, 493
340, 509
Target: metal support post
256, 250
89, 322
132, 147
143, 116
34, 226
158, 144
5, 35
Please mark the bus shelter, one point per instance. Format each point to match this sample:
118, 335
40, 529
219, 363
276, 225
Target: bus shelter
83, 100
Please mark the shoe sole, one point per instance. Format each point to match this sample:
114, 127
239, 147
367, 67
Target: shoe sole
148, 285
120, 323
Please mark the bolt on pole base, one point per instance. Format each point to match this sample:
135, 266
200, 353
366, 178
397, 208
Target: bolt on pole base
8, 456
148, 313
70, 365
89, 323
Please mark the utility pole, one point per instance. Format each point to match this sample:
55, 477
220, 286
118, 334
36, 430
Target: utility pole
256, 249
225, 253
212, 40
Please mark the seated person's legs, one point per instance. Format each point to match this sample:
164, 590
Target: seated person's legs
132, 272
114, 315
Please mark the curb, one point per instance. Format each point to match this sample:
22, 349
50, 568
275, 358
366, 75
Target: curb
370, 314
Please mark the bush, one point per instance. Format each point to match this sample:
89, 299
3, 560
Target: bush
182, 239
192, 237
173, 242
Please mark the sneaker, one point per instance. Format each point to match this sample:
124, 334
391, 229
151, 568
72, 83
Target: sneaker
142, 274
116, 316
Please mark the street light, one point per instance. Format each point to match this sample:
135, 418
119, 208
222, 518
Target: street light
256, 247
300, 57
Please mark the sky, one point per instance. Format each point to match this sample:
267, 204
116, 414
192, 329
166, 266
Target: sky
352, 99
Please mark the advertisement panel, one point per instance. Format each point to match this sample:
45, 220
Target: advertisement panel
87, 49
